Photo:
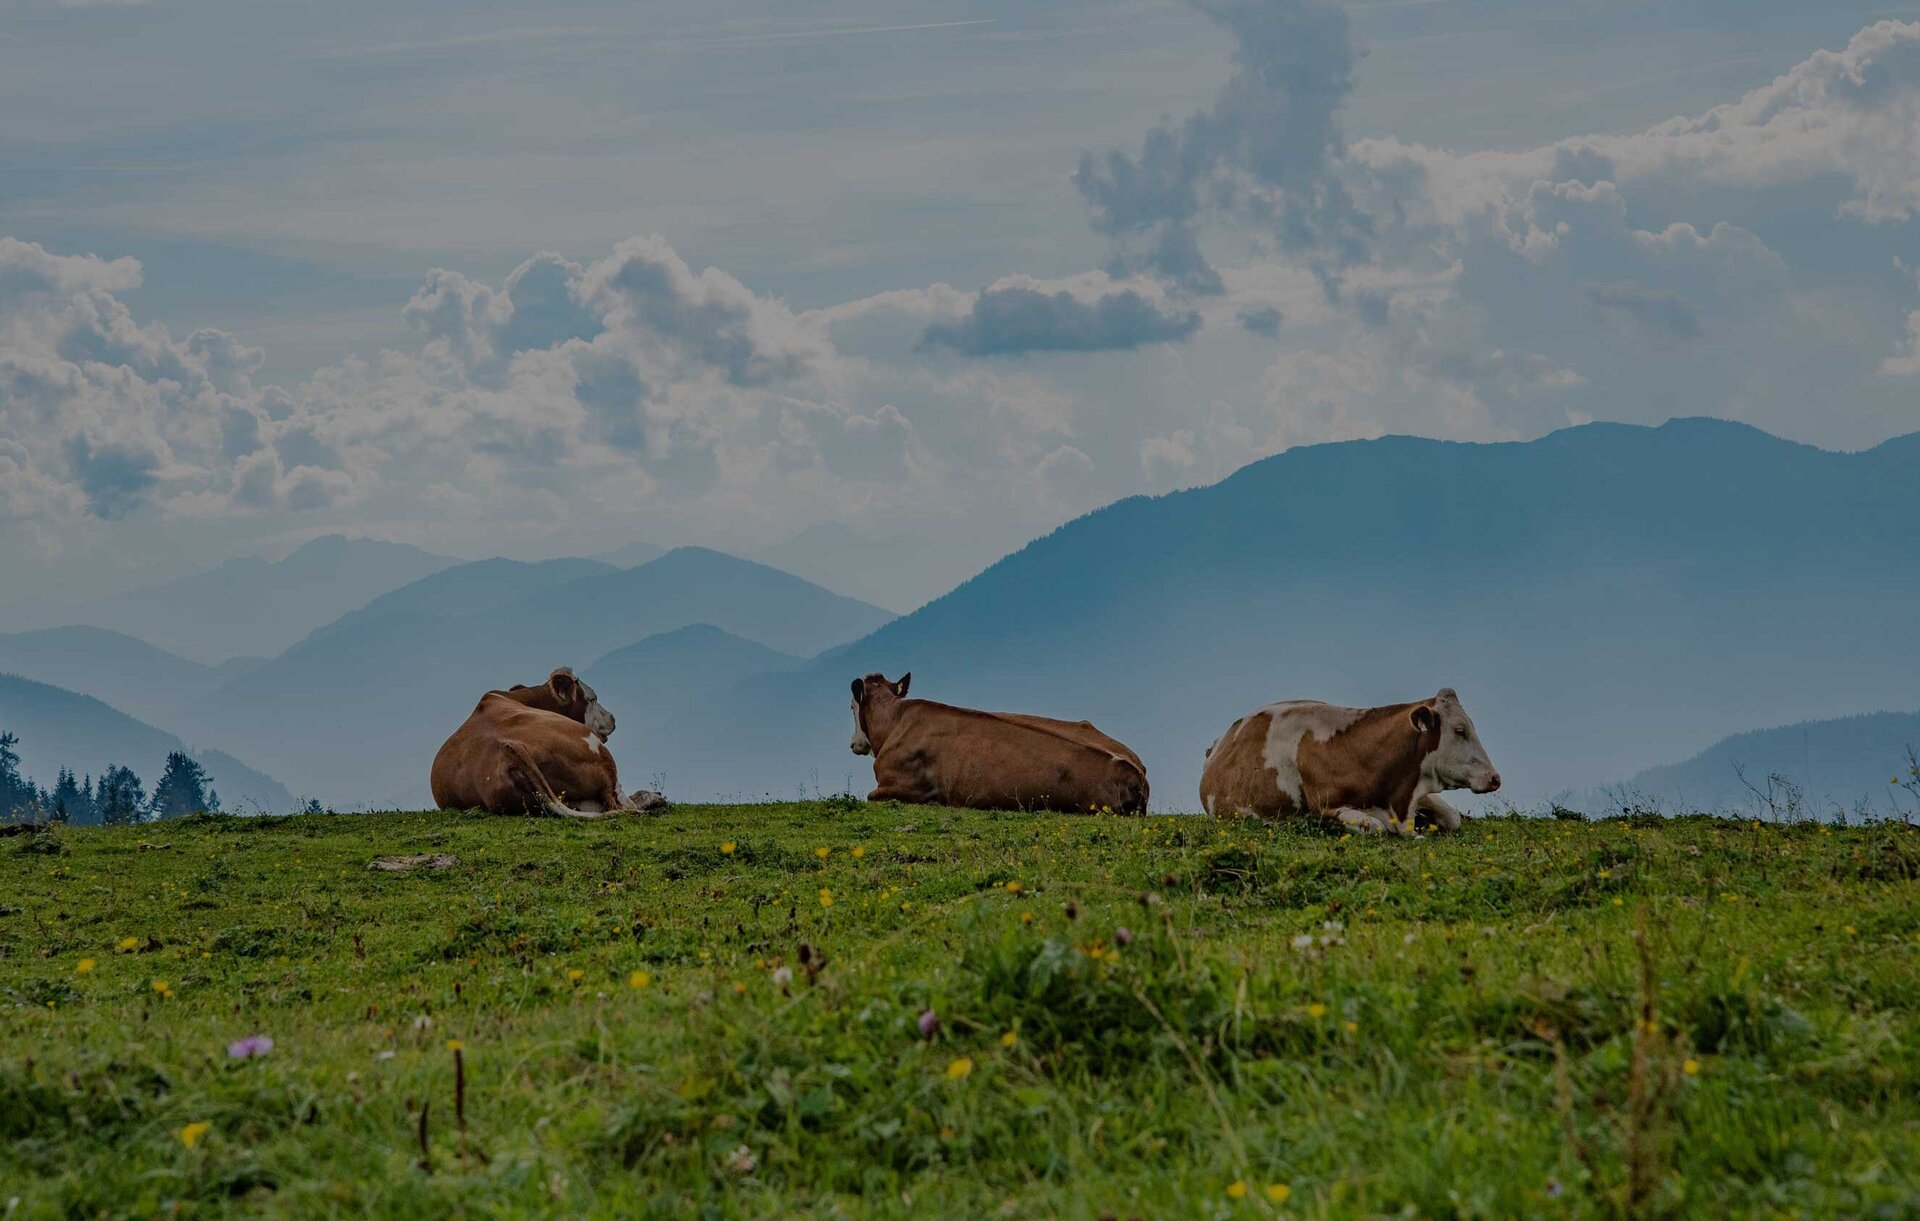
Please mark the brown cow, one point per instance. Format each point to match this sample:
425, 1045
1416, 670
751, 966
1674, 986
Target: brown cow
1372, 769
535, 750
941, 755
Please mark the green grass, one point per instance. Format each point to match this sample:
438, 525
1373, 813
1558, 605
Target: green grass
1453, 1027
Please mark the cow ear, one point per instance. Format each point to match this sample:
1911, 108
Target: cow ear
900, 688
1425, 719
859, 690
563, 684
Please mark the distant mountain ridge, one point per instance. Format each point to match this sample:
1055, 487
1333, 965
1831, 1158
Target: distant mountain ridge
253, 606
384, 689
1597, 596
1829, 764
59, 728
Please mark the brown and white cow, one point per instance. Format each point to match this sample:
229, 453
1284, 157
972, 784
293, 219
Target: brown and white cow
535, 750
1372, 769
937, 754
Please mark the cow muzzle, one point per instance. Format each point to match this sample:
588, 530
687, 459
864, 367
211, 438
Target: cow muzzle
1487, 784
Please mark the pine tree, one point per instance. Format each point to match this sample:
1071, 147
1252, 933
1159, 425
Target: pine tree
120, 797
181, 789
19, 797
69, 801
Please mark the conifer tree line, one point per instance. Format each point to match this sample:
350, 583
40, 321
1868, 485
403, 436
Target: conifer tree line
118, 796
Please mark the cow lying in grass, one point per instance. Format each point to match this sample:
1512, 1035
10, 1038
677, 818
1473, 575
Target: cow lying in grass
1372, 769
535, 750
941, 755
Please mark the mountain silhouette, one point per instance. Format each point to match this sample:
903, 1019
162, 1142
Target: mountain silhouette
1842, 764
355, 711
59, 728
252, 606
1602, 597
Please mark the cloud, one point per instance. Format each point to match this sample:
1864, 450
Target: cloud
1021, 318
1661, 312
1906, 361
1261, 319
1265, 152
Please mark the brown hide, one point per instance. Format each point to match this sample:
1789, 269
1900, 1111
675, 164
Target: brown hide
523, 750
1372, 762
942, 755
1237, 780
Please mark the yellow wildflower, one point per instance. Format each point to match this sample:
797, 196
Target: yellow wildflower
127, 945
164, 988
959, 1068
826, 897
1009, 1039
575, 975
726, 849
1278, 1192
1013, 888
83, 966
1316, 1010
1026, 917
822, 852
639, 979
455, 1045
858, 852
1237, 1190
1690, 1067
191, 1134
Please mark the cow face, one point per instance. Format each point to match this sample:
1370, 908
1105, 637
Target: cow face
867, 692
1457, 760
578, 701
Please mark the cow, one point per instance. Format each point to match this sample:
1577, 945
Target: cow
535, 750
937, 754
1371, 769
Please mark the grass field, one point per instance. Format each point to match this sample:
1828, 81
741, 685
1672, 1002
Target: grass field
719, 1012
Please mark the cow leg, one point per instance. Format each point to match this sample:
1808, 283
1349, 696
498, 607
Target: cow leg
561, 810
1367, 822
1444, 816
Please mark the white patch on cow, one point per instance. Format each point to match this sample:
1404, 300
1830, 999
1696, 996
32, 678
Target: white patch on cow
1291, 721
598, 720
593, 743
860, 744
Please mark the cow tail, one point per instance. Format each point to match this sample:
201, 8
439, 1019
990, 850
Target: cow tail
532, 783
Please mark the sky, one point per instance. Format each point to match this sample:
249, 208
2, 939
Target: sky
544, 280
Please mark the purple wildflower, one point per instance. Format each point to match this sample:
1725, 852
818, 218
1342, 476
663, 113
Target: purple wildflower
1123, 936
249, 1047
929, 1024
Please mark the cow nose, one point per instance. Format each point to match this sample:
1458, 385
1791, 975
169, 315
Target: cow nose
1493, 783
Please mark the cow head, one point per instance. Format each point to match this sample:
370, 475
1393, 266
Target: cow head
568, 696
874, 700
1455, 759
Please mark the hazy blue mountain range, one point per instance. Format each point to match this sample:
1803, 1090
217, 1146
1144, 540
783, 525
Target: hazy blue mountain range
127, 673
354, 712
632, 555
252, 606
59, 728
471, 588
1830, 764
1601, 597
896, 571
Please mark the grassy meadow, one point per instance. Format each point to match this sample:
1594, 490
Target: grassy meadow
839, 1009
